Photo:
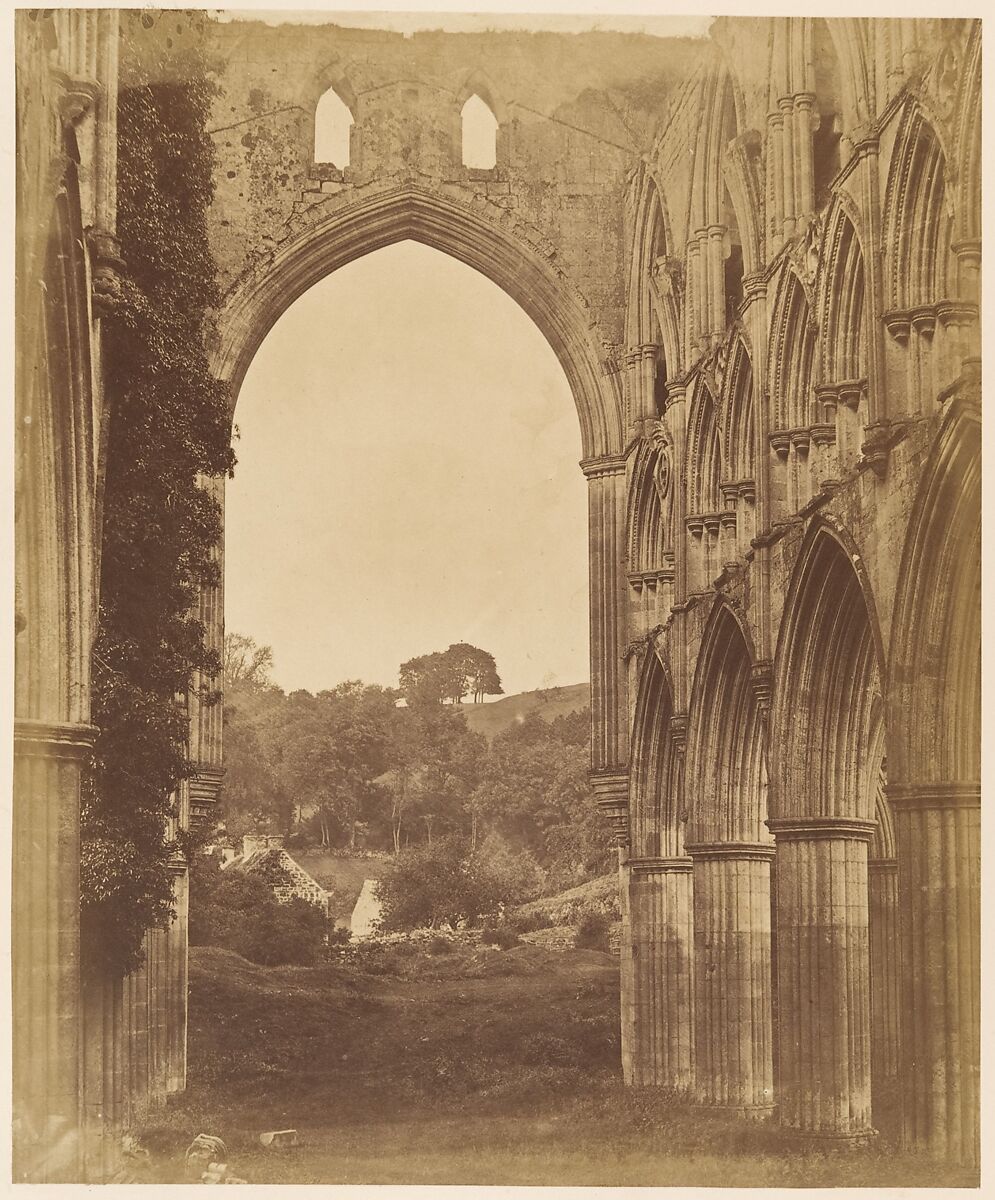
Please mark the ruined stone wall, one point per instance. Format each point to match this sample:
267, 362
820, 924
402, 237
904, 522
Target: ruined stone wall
802, 387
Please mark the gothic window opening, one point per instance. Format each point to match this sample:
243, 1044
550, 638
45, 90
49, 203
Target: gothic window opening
479, 135
660, 384
733, 264
826, 160
333, 121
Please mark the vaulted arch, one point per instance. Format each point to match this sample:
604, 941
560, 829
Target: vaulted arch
704, 453
727, 773
650, 506
655, 787
791, 355
934, 730
737, 409
827, 717
653, 316
253, 306
916, 220
843, 301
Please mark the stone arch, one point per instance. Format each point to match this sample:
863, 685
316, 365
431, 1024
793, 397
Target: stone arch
657, 1028
828, 671
827, 727
968, 219
727, 774
650, 506
732, 852
843, 300
738, 412
916, 220
253, 306
653, 322
478, 83
656, 801
333, 123
704, 453
791, 355
934, 731
934, 749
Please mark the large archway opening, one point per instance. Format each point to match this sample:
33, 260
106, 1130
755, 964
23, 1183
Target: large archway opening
408, 488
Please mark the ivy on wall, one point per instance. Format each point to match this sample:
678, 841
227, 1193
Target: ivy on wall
169, 425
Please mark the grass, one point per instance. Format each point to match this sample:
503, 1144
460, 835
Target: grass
479, 1066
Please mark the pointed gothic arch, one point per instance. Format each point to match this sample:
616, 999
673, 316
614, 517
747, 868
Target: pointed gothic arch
791, 355
704, 453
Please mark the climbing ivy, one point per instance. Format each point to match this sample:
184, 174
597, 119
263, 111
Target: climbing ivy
169, 427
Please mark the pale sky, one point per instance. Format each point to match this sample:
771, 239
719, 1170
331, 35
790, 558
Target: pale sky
408, 478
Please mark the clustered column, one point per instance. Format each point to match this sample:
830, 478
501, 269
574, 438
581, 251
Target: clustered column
937, 831
732, 976
658, 1031
823, 975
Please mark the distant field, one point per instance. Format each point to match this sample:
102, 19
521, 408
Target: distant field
476, 1066
550, 703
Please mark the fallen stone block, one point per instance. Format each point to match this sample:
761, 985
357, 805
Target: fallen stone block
279, 1137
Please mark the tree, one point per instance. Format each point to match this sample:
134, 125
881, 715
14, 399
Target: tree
246, 662
449, 675
335, 749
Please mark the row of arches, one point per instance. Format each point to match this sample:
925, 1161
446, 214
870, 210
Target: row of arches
803, 865
334, 122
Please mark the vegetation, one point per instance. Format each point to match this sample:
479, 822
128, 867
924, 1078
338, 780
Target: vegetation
239, 912
472, 1067
450, 675
169, 429
353, 767
444, 884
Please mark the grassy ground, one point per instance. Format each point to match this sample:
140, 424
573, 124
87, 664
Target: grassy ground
470, 1067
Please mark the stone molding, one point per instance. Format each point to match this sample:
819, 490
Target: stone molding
45, 739
599, 468
920, 796
750, 851
653, 866
807, 829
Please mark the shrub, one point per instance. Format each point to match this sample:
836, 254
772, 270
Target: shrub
437, 944
499, 935
441, 884
592, 932
239, 912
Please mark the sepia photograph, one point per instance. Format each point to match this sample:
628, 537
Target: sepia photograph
497, 599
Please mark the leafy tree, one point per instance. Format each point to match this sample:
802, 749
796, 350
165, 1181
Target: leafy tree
169, 429
335, 749
449, 675
442, 883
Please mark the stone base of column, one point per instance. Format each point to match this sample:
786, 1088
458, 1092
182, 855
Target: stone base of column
658, 1032
733, 1066
45, 992
823, 977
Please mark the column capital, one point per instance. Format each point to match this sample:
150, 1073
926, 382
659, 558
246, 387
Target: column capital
755, 851
807, 829
611, 794
679, 730
762, 683
922, 796
608, 464
48, 739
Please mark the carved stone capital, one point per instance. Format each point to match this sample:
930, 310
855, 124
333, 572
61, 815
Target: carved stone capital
611, 794
107, 269
47, 739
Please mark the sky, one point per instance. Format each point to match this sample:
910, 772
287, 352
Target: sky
689, 24
408, 477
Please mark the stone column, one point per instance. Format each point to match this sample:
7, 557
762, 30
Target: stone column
733, 1065
882, 889
606, 525
937, 833
657, 1028
48, 762
823, 975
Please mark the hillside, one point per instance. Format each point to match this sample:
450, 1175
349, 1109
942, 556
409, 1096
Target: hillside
550, 703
